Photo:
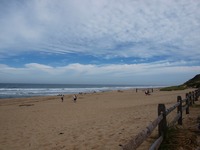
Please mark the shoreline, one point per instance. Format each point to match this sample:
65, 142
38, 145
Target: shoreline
101, 120
86, 92
35, 90
68, 95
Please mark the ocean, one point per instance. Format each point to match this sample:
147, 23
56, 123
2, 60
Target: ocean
17, 90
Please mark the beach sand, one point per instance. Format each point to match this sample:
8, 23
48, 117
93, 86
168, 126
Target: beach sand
99, 121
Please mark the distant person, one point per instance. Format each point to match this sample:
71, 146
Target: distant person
147, 92
75, 98
62, 98
136, 90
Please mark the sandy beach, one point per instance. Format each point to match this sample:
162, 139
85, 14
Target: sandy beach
99, 121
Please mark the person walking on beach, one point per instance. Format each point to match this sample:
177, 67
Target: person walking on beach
75, 98
147, 92
62, 98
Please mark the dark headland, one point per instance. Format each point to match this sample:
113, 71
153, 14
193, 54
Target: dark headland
192, 83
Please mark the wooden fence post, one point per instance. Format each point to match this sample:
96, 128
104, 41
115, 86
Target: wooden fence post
190, 99
162, 126
193, 97
179, 109
196, 95
187, 103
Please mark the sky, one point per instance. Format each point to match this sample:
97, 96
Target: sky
139, 42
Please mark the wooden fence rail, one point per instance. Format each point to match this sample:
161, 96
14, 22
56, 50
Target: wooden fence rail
161, 121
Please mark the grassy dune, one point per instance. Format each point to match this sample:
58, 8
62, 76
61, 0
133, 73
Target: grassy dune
192, 83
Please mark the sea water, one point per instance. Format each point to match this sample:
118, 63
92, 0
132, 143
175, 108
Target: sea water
16, 90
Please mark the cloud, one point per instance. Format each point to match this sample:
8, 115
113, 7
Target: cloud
161, 73
142, 29
107, 41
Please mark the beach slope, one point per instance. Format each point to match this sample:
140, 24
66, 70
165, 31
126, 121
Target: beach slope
99, 121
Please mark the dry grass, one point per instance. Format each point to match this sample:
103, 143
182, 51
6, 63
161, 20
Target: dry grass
184, 137
180, 139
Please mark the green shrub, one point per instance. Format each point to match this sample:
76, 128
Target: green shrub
173, 88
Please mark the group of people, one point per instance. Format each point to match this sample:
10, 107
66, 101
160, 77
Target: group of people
74, 98
147, 92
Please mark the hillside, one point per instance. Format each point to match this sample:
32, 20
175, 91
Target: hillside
192, 83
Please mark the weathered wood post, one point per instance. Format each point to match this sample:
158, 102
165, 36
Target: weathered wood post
198, 92
162, 126
196, 95
187, 103
190, 99
193, 97
179, 110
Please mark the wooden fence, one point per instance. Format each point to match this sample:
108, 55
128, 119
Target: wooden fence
161, 121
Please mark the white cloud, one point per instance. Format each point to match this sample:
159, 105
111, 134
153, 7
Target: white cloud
123, 28
154, 73
143, 29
